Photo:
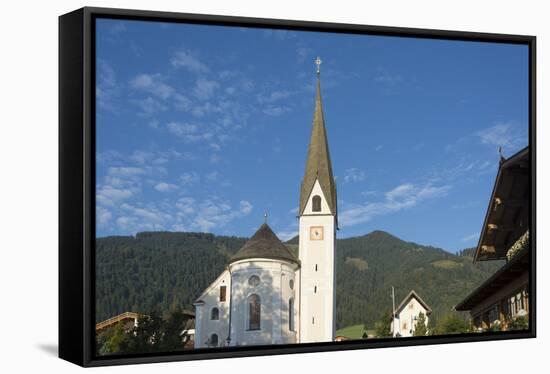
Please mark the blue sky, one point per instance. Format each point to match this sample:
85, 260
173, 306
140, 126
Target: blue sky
206, 128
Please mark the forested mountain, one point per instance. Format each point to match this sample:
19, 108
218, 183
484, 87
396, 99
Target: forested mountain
164, 270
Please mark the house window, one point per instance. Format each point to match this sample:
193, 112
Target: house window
315, 267
254, 312
291, 314
223, 290
291, 284
315, 289
213, 340
215, 314
316, 202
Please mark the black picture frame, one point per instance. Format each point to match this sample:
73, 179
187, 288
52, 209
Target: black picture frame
77, 184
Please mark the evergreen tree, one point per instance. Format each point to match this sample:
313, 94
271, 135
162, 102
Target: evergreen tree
451, 324
420, 328
113, 340
382, 327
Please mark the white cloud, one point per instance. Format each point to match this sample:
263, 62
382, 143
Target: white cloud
286, 234
181, 129
141, 157
153, 84
188, 179
214, 146
187, 60
213, 176
204, 88
182, 102
125, 171
385, 77
205, 109
107, 156
135, 218
212, 214
273, 97
275, 111
103, 216
402, 197
107, 88
245, 207
125, 223
186, 205
109, 195
165, 187
505, 134
151, 214
149, 105
354, 175
472, 237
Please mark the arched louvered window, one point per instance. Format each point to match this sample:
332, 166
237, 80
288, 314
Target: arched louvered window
213, 340
316, 203
215, 314
254, 312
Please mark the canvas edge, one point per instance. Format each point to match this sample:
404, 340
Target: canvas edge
76, 269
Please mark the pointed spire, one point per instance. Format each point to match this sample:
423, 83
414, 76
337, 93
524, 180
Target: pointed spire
318, 164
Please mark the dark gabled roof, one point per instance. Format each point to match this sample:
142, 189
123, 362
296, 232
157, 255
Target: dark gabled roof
507, 214
264, 244
418, 298
318, 165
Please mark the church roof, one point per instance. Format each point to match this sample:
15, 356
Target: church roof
318, 165
264, 244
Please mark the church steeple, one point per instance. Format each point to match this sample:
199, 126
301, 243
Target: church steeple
318, 164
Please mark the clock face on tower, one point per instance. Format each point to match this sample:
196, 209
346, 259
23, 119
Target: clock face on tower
316, 233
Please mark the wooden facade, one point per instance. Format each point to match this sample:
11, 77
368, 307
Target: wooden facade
496, 303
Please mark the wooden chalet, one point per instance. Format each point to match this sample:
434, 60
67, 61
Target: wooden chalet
504, 236
128, 319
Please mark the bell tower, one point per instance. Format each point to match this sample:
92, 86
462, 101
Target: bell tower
317, 234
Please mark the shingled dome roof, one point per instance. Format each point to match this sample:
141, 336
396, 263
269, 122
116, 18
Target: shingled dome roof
264, 244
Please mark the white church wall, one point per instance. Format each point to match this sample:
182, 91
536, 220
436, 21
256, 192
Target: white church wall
317, 274
205, 326
274, 292
297, 312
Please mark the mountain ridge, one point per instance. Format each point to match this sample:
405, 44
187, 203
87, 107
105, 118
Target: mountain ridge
166, 270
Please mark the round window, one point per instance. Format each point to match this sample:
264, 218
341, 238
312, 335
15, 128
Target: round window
254, 280
291, 284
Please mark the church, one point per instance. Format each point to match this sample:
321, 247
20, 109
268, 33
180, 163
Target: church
267, 295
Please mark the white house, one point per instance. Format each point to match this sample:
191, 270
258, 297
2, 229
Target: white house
267, 295
406, 315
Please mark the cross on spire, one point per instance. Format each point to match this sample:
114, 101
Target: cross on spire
265, 217
318, 62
